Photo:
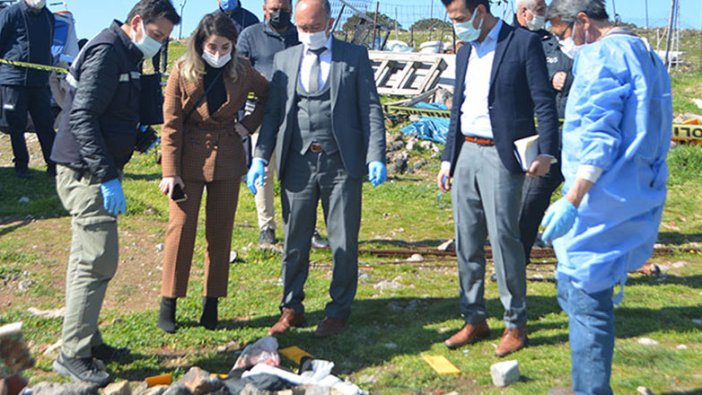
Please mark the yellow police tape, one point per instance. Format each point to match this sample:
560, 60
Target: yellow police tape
687, 132
35, 66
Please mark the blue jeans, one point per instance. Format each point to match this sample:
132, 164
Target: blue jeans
591, 332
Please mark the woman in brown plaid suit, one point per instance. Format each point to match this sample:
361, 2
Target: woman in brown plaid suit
201, 149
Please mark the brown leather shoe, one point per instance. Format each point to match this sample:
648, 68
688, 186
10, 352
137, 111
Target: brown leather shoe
330, 327
469, 334
512, 340
289, 318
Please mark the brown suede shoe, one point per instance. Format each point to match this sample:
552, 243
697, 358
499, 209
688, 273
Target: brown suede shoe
330, 327
288, 319
469, 334
512, 340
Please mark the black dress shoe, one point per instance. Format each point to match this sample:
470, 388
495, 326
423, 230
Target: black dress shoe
319, 242
24, 174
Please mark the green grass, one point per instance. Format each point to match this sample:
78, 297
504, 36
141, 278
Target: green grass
390, 329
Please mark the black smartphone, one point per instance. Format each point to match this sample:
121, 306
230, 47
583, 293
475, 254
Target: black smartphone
178, 195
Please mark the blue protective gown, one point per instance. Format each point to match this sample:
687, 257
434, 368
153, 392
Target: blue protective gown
618, 118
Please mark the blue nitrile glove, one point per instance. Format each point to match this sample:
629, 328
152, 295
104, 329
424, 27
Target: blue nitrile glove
113, 197
558, 220
256, 174
377, 173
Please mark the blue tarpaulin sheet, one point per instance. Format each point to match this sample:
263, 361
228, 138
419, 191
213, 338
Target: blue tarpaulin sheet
429, 128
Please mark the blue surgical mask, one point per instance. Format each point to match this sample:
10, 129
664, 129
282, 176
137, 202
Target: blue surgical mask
229, 5
465, 30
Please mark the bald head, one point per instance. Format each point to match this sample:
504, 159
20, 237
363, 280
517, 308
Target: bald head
313, 16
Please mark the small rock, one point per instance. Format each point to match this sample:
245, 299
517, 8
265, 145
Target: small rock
232, 256
121, 388
645, 341
156, 390
448, 245
64, 389
415, 258
681, 347
159, 247
199, 381
505, 373
643, 391
697, 321
425, 145
390, 345
418, 165
180, 389
24, 285
363, 276
24, 200
395, 146
58, 313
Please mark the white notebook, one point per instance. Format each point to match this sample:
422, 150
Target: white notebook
526, 150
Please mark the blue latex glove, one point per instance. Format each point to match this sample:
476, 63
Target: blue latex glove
113, 197
377, 173
558, 220
256, 174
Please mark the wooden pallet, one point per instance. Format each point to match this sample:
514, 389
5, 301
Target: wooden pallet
403, 74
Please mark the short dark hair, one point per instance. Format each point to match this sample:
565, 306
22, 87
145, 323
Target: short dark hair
471, 5
151, 10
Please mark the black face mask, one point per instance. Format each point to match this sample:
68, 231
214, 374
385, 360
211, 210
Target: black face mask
279, 19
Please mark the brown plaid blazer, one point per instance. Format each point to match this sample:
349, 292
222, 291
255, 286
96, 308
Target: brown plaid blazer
207, 147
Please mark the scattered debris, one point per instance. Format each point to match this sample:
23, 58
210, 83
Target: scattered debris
263, 351
52, 350
415, 258
650, 269
385, 284
121, 388
229, 347
697, 321
645, 341
57, 313
24, 200
505, 373
643, 391
159, 247
233, 256
448, 245
681, 347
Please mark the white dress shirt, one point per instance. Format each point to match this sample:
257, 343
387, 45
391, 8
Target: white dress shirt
475, 114
308, 59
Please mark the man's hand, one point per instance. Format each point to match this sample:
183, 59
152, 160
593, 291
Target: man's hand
168, 183
241, 130
443, 180
256, 174
559, 80
113, 197
540, 166
559, 219
377, 173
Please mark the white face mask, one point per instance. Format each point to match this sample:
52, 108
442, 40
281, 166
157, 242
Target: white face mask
313, 40
148, 46
568, 47
465, 30
37, 4
216, 61
537, 23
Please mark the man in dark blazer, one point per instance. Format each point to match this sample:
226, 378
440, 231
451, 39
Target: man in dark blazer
501, 84
324, 121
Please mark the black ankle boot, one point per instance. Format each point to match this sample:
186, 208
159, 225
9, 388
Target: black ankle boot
166, 316
209, 313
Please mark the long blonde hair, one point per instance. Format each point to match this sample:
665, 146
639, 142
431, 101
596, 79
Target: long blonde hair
191, 65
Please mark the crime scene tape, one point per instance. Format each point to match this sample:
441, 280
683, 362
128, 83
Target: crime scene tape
35, 66
687, 132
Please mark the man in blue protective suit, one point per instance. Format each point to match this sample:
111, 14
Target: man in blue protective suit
616, 137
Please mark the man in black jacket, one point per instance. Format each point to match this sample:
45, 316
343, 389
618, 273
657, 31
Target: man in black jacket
93, 144
536, 195
26, 35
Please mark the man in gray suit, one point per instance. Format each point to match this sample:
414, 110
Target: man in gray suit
324, 120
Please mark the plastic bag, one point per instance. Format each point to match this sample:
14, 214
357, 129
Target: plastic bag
265, 351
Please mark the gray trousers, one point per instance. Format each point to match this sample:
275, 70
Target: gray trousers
308, 179
92, 262
486, 200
